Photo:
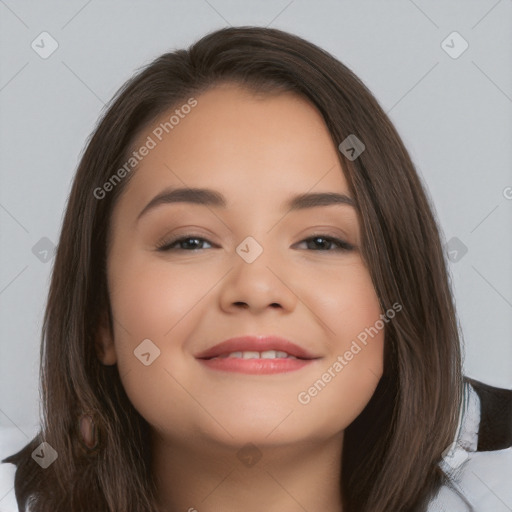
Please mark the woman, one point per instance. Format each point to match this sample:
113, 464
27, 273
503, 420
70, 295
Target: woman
303, 355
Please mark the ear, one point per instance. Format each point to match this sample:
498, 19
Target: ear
104, 342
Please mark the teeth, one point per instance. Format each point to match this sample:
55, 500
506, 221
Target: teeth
250, 355
267, 354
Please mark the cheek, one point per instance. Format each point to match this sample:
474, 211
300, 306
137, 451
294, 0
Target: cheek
345, 300
150, 297
362, 343
151, 300
350, 312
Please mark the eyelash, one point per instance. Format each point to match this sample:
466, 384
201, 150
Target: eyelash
167, 245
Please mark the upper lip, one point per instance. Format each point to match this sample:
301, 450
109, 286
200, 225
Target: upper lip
255, 344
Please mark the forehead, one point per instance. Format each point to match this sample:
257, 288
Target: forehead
248, 146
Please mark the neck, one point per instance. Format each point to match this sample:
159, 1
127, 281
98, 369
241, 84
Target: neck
206, 477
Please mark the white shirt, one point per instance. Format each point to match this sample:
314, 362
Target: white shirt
482, 481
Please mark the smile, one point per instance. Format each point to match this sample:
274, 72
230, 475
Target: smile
241, 354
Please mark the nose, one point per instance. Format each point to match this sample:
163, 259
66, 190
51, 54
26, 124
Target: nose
263, 283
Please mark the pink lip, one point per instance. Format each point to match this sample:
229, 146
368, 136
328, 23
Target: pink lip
255, 366
255, 344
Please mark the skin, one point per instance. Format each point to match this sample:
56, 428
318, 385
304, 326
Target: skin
258, 151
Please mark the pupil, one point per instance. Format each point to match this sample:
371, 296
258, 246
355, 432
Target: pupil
319, 241
193, 240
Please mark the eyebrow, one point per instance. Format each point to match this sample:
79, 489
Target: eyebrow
209, 197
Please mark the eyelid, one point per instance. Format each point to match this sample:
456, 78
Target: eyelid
165, 242
184, 232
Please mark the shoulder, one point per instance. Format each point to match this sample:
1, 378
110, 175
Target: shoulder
478, 463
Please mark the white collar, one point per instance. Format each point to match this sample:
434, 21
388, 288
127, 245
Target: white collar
469, 419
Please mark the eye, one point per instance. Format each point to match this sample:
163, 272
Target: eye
170, 245
325, 243
318, 242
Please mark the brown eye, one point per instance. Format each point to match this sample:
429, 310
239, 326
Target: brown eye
325, 243
322, 243
182, 243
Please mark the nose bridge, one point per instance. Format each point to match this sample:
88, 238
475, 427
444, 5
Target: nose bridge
255, 259
259, 244
258, 278
250, 249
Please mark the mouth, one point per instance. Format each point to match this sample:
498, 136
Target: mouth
256, 355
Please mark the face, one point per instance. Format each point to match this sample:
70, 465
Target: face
250, 267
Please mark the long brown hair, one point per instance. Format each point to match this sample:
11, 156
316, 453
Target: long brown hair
392, 450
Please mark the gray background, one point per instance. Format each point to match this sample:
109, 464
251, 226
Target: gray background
454, 115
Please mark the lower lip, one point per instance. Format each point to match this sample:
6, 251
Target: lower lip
255, 366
